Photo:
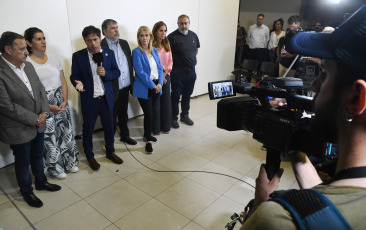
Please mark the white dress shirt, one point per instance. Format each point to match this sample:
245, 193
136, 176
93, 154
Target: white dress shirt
97, 82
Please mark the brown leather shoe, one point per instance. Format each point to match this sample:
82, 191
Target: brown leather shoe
93, 164
113, 157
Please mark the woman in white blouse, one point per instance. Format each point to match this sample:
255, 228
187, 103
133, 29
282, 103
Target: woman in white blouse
275, 36
61, 153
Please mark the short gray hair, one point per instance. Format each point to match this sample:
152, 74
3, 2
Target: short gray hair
107, 23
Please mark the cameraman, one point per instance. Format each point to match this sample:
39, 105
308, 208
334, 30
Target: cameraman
340, 109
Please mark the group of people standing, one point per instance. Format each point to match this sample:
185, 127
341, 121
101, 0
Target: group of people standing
34, 114
266, 45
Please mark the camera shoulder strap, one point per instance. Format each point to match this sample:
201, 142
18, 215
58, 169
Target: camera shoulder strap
312, 210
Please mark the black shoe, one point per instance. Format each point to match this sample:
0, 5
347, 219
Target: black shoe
175, 124
128, 140
93, 164
186, 120
49, 187
33, 201
113, 157
149, 148
150, 138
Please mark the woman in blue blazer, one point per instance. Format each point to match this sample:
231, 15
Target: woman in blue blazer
148, 82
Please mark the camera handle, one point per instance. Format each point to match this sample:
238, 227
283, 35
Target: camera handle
273, 161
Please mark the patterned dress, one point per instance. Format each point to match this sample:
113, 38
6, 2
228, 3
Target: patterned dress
61, 153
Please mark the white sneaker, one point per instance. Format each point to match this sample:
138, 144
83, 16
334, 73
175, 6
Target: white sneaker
74, 169
61, 176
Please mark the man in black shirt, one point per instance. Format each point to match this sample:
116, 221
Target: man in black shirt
287, 55
184, 44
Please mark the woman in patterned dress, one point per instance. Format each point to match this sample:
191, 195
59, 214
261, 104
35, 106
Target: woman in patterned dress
61, 153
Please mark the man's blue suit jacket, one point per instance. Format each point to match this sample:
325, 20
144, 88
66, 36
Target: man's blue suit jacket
81, 71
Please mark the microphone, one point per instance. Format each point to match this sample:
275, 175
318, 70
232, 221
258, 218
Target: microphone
98, 58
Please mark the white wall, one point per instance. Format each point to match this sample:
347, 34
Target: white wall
272, 10
63, 20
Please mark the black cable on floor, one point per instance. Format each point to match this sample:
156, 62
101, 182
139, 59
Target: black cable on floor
177, 171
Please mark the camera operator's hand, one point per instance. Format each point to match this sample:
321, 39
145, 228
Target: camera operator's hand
264, 187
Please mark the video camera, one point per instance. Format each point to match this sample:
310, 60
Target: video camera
280, 129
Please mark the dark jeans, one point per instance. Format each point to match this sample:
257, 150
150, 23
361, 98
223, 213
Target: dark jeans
260, 55
120, 111
98, 107
151, 109
31, 153
166, 107
182, 85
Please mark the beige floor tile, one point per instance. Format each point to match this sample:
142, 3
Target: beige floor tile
10, 218
3, 198
218, 214
185, 135
288, 176
237, 160
78, 216
193, 226
112, 227
161, 148
152, 182
227, 138
241, 193
182, 160
117, 200
53, 202
206, 148
152, 215
252, 147
130, 164
87, 181
188, 198
215, 182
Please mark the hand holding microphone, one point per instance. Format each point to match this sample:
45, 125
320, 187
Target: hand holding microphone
98, 58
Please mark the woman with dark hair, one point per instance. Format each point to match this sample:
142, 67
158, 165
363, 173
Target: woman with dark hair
161, 43
275, 36
148, 82
61, 153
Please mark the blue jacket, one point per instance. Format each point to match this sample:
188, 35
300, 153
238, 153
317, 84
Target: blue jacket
142, 68
81, 71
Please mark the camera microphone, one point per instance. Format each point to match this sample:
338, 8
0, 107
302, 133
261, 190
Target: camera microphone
98, 58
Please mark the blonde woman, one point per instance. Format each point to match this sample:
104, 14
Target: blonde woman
148, 81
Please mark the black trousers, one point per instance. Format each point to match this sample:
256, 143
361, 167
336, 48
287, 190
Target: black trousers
151, 109
166, 107
120, 112
260, 54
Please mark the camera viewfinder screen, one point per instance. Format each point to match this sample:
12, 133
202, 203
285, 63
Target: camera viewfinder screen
222, 89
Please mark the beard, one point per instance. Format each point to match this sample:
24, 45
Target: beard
324, 125
184, 31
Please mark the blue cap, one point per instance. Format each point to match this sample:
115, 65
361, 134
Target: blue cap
347, 43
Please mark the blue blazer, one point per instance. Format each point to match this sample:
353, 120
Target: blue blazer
81, 71
142, 68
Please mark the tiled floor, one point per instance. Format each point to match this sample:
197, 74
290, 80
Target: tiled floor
130, 196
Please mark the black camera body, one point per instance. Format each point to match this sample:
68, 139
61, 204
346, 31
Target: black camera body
282, 128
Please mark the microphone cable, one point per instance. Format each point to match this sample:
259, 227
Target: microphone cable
193, 171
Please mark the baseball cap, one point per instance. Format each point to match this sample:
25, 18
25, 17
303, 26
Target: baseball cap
347, 43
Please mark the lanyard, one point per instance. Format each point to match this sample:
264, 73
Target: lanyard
348, 173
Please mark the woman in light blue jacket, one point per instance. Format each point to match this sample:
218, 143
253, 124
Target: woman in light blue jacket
148, 82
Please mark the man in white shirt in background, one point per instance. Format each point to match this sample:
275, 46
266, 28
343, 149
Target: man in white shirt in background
258, 37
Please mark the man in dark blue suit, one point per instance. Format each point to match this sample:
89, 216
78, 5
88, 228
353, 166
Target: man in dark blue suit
92, 77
